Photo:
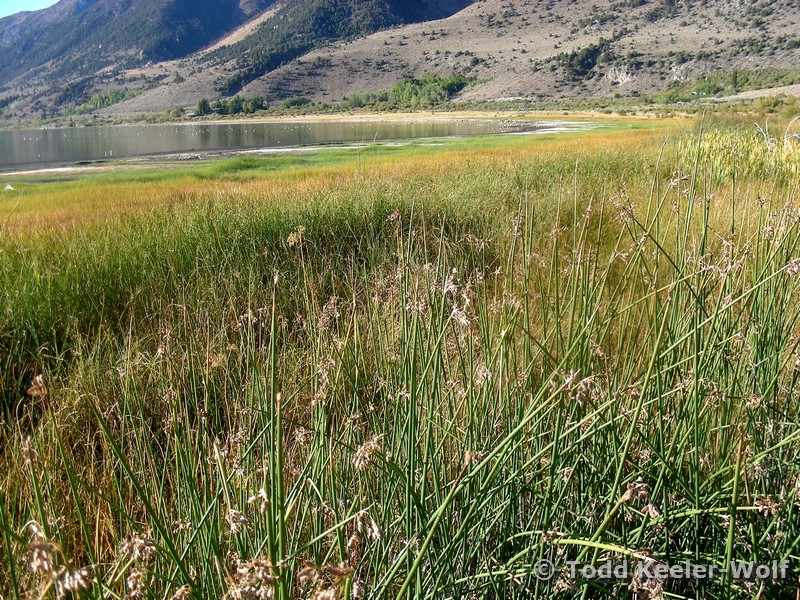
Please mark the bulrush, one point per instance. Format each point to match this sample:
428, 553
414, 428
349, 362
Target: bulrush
329, 578
330, 593
41, 557
29, 453
260, 499
140, 548
136, 583
254, 579
182, 593
482, 375
75, 580
42, 561
236, 520
366, 525
636, 490
330, 313
364, 454
644, 585
37, 388
507, 398
296, 237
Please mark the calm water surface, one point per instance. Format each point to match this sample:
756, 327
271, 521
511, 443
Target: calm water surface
36, 147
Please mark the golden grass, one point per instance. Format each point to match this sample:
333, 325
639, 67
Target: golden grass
92, 199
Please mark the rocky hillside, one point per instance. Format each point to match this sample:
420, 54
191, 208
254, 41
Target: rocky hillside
331, 49
301, 25
77, 38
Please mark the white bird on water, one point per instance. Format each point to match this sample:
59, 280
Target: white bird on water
9, 188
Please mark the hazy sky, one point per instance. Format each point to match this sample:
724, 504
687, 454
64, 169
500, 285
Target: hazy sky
9, 7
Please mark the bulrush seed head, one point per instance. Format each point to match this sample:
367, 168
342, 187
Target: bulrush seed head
139, 548
41, 557
260, 499
75, 581
236, 520
296, 237
637, 490
182, 593
331, 593
365, 453
29, 453
37, 388
136, 583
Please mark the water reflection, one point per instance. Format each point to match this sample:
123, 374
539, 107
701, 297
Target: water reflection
20, 147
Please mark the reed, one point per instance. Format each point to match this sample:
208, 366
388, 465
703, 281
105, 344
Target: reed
416, 386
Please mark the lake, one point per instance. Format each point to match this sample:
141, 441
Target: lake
21, 148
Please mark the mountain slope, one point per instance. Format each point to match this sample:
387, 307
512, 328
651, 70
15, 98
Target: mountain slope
300, 25
558, 48
76, 38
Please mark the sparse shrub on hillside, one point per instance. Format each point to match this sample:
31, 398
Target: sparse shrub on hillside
579, 64
662, 9
768, 104
89, 35
103, 100
726, 82
5, 103
790, 108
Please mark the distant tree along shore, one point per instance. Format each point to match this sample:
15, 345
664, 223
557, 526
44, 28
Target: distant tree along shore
233, 106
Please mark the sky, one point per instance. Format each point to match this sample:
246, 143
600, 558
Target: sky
9, 7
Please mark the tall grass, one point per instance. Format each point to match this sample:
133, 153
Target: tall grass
765, 151
413, 388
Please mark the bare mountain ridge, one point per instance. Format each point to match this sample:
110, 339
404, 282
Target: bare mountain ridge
515, 48
77, 38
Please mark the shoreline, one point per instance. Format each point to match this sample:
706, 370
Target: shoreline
537, 127
358, 117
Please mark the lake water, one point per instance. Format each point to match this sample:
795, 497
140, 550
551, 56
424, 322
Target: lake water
41, 147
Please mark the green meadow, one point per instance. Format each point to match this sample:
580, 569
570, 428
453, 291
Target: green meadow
421, 371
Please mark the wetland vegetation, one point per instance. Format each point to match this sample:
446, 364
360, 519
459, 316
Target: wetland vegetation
405, 372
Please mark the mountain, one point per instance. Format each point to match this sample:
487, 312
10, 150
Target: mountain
301, 25
551, 49
125, 57
76, 38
